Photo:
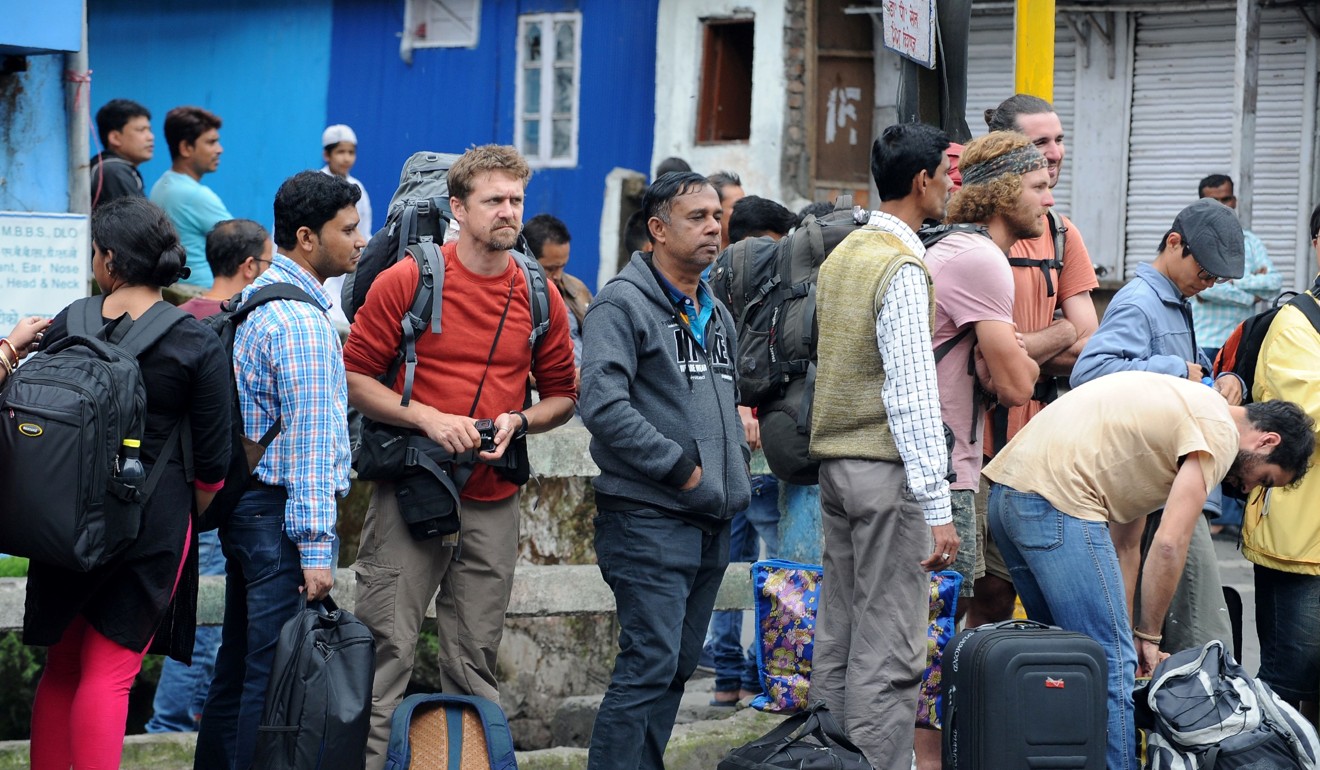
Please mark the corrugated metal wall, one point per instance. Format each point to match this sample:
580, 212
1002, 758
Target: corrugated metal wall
1182, 127
450, 99
261, 65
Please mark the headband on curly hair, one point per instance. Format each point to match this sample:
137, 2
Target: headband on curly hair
1020, 161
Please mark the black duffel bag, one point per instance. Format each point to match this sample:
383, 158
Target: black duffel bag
810, 740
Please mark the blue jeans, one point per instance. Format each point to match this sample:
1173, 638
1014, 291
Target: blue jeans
261, 594
181, 692
1066, 571
735, 670
664, 574
801, 538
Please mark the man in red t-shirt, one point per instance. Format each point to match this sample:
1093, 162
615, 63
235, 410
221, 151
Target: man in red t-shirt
1041, 290
476, 368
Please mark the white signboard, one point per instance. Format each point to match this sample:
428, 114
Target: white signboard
910, 29
45, 263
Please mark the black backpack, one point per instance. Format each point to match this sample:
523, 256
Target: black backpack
770, 289
1241, 351
67, 413
318, 702
244, 453
1059, 234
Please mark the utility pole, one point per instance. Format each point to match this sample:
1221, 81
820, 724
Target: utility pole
1033, 48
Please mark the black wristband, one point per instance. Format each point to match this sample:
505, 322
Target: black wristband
517, 434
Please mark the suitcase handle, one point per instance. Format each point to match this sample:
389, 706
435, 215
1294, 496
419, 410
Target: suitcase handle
1015, 623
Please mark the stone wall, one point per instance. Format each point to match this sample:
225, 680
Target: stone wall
795, 163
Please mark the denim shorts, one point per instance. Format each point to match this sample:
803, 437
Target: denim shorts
1288, 622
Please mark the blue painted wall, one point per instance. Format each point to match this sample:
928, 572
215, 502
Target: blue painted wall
34, 156
40, 27
261, 65
449, 99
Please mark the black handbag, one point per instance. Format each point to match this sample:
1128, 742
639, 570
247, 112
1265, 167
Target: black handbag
427, 479
810, 740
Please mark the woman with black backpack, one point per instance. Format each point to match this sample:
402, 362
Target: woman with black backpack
100, 623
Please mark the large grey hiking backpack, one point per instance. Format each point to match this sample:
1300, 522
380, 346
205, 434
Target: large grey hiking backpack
1208, 713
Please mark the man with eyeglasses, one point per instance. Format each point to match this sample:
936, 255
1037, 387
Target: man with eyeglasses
1148, 327
1218, 310
237, 250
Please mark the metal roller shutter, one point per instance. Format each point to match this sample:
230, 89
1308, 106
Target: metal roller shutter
990, 81
1182, 126
1182, 116
1278, 190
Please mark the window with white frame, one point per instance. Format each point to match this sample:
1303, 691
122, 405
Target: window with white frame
440, 24
546, 95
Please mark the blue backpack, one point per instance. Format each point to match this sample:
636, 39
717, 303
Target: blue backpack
428, 724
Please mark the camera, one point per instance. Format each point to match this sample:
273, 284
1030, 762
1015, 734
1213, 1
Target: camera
487, 430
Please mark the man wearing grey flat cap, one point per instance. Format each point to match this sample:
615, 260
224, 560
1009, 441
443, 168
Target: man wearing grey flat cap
1148, 327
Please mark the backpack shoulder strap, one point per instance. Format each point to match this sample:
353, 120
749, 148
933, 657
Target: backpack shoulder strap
952, 342
538, 295
84, 317
269, 293
499, 745
932, 235
150, 327
1307, 304
426, 303
1059, 233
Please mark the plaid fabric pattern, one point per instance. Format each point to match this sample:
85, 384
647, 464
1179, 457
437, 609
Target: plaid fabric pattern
910, 392
288, 364
903, 333
1218, 310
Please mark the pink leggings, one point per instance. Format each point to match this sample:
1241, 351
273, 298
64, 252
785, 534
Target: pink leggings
81, 709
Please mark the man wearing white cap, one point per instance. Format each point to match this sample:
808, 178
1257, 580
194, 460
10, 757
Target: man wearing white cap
339, 145
340, 151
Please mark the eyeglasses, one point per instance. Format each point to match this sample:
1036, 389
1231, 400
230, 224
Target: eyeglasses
1206, 275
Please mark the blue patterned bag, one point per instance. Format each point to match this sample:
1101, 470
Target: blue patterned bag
944, 587
787, 595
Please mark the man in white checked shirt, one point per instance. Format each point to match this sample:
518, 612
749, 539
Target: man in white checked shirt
876, 428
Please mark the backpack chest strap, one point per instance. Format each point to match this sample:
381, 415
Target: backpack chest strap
1045, 265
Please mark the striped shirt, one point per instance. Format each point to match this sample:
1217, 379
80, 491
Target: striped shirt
910, 393
288, 364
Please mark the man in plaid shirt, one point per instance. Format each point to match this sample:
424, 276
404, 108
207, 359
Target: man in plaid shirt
1218, 310
279, 541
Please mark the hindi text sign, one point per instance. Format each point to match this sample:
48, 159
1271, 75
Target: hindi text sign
909, 27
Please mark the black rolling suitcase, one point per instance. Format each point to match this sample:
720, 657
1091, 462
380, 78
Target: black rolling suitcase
1021, 694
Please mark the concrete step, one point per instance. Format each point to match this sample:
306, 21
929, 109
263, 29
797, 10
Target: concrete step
703, 734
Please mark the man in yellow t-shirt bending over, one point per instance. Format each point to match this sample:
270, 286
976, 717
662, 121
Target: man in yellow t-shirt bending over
1073, 488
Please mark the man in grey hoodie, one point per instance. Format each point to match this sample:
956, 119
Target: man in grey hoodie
659, 395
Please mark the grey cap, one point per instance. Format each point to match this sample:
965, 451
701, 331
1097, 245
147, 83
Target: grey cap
1214, 236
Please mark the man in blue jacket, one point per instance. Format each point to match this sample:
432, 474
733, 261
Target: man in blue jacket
1148, 327
660, 399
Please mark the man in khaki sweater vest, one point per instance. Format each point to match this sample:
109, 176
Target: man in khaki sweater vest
876, 429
